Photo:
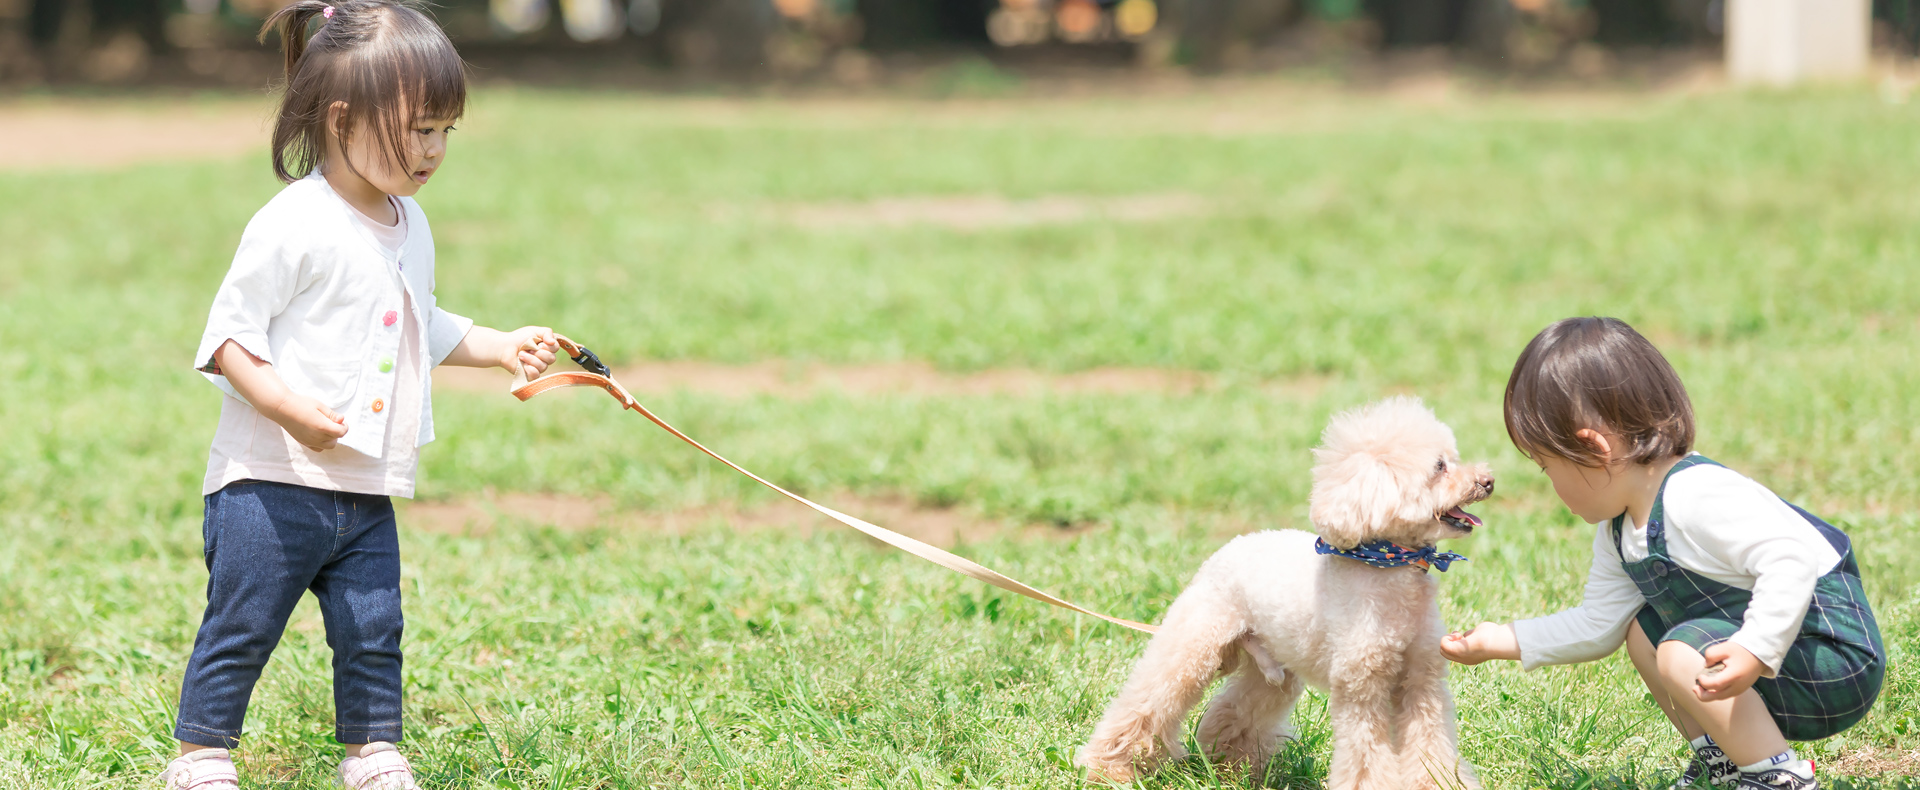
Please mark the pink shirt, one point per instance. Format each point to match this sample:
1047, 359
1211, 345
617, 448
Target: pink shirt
247, 445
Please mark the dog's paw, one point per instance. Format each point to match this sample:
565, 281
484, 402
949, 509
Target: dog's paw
1107, 766
1246, 750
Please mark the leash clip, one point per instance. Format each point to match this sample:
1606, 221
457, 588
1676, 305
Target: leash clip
590, 362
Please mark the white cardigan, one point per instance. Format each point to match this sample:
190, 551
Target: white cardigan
1719, 524
312, 293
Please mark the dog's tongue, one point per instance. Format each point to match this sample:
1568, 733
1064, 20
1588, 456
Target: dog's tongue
1464, 516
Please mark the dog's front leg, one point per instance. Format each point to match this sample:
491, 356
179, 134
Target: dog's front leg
1360, 704
1429, 742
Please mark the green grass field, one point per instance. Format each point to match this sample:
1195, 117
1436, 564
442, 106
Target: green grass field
1347, 248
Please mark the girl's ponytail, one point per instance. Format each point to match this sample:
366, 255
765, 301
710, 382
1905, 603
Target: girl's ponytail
291, 23
383, 59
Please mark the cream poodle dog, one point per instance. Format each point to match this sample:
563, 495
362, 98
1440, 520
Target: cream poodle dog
1275, 610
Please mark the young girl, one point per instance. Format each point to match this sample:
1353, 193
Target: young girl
322, 336
1743, 614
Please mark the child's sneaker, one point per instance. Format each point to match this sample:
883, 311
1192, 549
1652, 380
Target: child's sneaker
206, 769
1712, 765
379, 767
1797, 775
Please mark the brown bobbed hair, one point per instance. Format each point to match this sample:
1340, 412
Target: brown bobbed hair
385, 59
1597, 373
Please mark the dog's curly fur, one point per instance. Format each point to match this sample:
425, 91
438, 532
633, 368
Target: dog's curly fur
1271, 613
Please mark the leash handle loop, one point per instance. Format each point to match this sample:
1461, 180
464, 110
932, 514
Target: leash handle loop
602, 379
578, 353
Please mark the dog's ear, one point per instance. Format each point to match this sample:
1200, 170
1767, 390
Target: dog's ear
1355, 496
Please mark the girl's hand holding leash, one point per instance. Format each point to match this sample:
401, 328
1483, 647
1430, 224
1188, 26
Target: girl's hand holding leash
1484, 642
533, 348
1731, 670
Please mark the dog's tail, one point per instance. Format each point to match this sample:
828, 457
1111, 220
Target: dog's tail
1195, 644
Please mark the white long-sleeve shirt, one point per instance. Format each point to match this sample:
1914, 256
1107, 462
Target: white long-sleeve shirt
1719, 524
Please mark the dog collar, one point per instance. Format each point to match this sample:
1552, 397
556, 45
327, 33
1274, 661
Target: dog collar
1388, 554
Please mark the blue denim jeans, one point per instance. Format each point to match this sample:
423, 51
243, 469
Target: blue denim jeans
267, 544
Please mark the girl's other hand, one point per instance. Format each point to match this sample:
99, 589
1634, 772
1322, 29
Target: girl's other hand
1731, 670
307, 420
310, 422
529, 348
1485, 642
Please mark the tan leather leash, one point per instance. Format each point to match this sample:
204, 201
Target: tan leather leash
598, 375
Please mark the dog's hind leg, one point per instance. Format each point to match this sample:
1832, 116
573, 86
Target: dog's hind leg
1141, 727
1248, 718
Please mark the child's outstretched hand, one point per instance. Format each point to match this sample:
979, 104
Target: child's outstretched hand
1731, 670
528, 348
1484, 642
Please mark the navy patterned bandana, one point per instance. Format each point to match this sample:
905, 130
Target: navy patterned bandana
1388, 554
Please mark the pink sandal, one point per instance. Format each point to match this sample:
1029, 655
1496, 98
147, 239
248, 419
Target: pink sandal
206, 769
379, 767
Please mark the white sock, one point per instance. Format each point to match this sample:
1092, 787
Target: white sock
1787, 760
1702, 742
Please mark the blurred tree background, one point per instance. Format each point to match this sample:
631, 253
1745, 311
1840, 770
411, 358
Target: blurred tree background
846, 41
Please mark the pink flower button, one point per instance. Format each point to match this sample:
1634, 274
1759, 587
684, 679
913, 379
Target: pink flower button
391, 317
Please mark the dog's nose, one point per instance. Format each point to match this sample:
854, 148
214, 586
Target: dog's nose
1485, 484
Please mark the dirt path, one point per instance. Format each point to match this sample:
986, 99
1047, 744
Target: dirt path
788, 379
944, 527
975, 212
1875, 761
90, 136
90, 133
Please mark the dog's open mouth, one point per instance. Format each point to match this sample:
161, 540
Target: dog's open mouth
1460, 519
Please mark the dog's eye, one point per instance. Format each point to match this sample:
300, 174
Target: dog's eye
1440, 467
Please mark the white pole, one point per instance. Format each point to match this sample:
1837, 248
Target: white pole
1783, 42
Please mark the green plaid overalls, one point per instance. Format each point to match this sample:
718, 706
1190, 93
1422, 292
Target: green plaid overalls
1832, 672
